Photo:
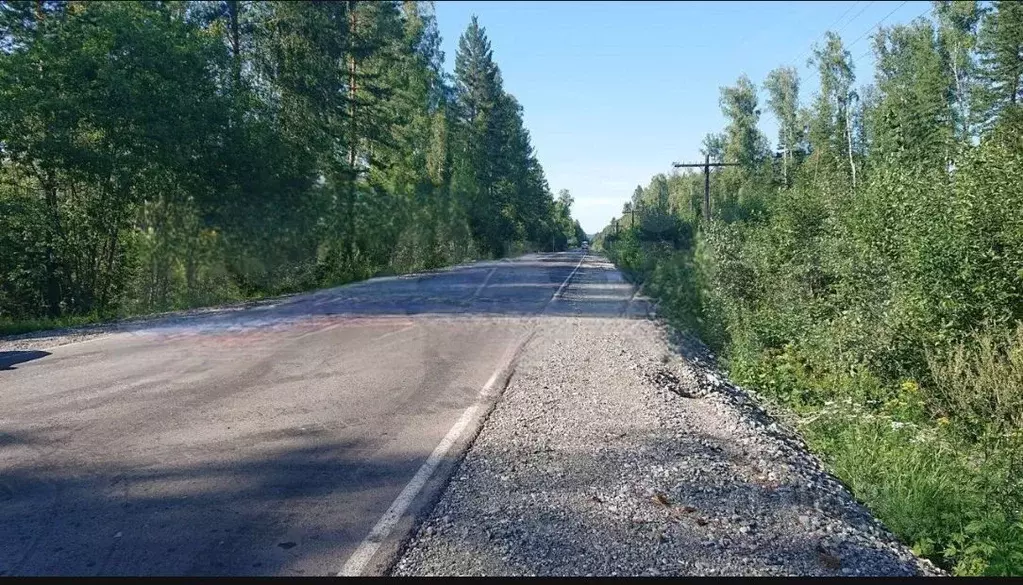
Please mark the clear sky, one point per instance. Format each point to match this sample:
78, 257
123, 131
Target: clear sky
614, 92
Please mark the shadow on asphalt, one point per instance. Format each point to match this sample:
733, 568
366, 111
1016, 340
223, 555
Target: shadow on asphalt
228, 513
495, 290
231, 517
515, 289
8, 359
223, 518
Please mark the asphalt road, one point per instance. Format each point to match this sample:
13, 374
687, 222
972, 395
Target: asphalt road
268, 440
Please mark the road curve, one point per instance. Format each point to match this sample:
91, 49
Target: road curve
263, 441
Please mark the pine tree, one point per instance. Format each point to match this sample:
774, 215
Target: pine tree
916, 96
1000, 49
481, 112
236, 147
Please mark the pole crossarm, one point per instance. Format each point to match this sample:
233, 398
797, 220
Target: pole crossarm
680, 165
705, 165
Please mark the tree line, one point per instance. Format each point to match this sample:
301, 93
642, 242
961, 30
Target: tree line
162, 154
867, 274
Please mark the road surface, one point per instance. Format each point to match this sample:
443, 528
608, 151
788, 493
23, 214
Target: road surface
270, 440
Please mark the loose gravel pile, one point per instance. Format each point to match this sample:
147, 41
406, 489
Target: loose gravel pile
49, 339
610, 454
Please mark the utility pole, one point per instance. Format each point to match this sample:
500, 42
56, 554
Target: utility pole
632, 213
706, 164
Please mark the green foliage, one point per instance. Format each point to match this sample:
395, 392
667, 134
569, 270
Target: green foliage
8, 327
957, 37
158, 155
999, 44
744, 144
979, 384
875, 287
782, 85
917, 109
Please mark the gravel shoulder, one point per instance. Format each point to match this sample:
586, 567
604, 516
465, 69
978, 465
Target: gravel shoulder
611, 453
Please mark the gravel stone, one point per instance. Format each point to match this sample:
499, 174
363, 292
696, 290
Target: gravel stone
619, 450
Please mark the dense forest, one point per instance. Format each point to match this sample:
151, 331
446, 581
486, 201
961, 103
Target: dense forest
867, 276
167, 154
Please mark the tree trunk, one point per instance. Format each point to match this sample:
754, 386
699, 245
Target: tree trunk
848, 137
233, 9
53, 288
963, 104
109, 273
785, 167
787, 159
191, 271
353, 140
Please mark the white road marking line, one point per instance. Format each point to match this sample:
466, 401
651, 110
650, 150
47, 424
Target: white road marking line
317, 331
564, 285
368, 547
403, 339
390, 333
486, 280
357, 562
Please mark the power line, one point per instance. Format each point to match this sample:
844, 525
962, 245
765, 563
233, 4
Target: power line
871, 50
836, 21
855, 17
749, 36
706, 179
841, 30
847, 11
878, 25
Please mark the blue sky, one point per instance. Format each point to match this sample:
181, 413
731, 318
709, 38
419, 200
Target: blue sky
614, 92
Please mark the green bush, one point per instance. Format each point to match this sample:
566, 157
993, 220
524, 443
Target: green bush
892, 318
980, 385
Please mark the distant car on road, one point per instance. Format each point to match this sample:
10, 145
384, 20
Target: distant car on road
586, 246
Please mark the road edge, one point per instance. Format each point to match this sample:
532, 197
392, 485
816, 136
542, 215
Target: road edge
392, 545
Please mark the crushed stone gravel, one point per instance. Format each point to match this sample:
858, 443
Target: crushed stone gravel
618, 450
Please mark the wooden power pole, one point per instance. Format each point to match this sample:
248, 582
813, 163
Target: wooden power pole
632, 213
706, 164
